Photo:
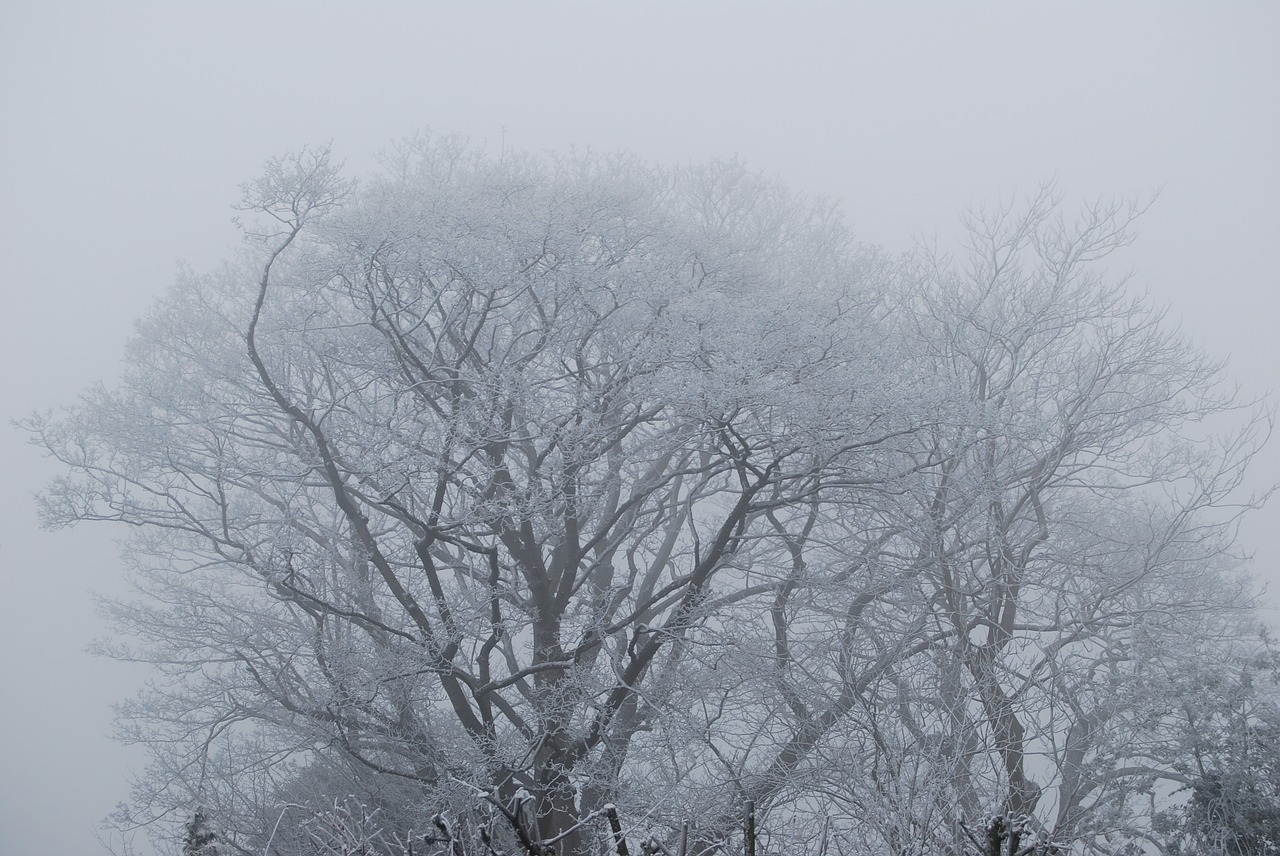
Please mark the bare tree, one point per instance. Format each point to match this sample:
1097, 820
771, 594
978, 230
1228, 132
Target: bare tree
516, 490
442, 475
1073, 516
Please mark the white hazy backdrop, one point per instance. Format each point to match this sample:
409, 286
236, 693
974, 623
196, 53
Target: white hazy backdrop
126, 129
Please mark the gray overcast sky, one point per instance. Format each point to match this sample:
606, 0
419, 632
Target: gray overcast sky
125, 130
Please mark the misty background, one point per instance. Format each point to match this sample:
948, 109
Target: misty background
127, 129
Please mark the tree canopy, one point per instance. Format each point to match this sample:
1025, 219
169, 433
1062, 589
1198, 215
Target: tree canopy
522, 488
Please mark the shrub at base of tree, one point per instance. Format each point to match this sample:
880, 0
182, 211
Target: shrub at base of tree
201, 839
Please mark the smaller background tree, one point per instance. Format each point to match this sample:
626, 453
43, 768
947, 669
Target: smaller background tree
1231, 736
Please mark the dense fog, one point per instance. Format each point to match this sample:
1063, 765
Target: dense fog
130, 132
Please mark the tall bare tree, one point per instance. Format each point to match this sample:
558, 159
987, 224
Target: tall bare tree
444, 472
571, 483
976, 640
